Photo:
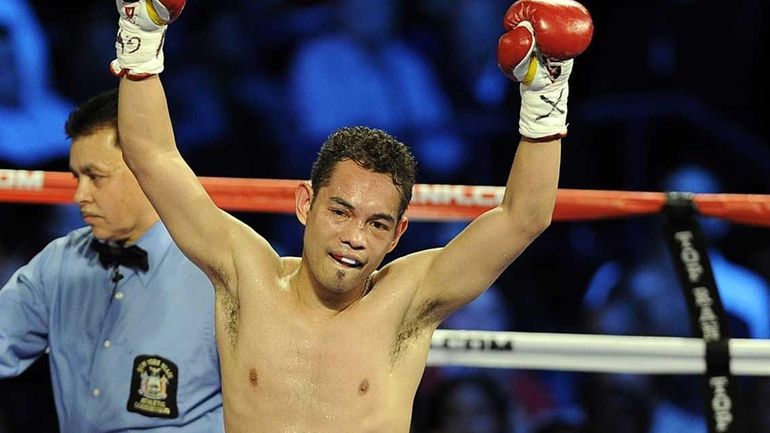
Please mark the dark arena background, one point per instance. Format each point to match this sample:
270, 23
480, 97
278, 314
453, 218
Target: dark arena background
672, 95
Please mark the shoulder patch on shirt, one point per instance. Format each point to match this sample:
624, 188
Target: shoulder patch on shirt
154, 383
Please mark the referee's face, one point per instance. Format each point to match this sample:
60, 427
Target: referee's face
109, 197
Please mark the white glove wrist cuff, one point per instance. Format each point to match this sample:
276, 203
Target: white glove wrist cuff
544, 101
139, 52
544, 112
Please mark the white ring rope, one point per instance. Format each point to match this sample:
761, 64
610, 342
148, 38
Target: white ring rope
591, 353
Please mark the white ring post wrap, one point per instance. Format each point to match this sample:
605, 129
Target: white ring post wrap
591, 353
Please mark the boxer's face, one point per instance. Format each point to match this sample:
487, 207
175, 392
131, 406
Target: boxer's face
109, 197
351, 225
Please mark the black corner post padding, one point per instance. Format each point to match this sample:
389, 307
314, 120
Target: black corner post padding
708, 319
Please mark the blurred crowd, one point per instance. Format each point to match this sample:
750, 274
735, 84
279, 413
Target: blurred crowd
663, 100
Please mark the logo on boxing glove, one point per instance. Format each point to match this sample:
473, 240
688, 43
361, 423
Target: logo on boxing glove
554, 105
130, 11
128, 45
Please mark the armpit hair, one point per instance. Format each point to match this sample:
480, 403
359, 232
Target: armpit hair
426, 315
231, 311
230, 305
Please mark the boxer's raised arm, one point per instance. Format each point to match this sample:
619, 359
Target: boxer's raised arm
205, 233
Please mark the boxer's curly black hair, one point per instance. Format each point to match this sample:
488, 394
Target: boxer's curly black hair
100, 111
372, 149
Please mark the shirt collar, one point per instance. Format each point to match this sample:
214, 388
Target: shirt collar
157, 242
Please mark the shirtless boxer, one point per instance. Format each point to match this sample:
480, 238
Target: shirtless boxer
326, 342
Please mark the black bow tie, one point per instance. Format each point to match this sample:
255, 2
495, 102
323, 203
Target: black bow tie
114, 254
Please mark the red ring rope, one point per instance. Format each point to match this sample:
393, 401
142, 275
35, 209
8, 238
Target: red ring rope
430, 202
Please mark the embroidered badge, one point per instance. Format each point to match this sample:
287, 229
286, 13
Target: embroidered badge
153, 387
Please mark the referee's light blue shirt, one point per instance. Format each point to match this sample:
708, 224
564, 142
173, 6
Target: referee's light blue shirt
139, 356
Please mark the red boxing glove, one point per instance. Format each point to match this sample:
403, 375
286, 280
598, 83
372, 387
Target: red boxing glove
164, 11
542, 37
141, 33
559, 29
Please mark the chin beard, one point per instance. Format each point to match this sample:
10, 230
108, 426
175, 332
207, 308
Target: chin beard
342, 282
341, 285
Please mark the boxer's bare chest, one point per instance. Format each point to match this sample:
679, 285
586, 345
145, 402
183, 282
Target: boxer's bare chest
286, 364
